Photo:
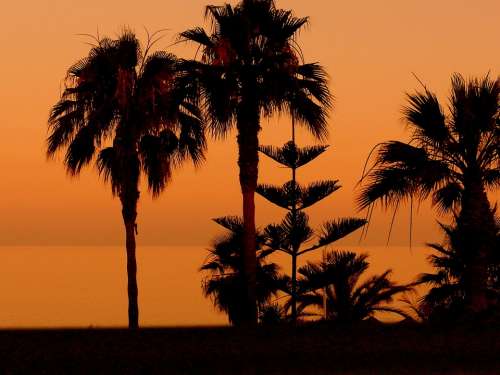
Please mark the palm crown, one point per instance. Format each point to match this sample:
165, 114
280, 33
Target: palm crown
250, 58
133, 100
347, 299
447, 153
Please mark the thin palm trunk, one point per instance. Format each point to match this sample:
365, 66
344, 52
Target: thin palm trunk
248, 144
133, 306
129, 198
476, 224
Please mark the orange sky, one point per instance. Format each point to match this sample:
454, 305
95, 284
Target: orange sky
369, 48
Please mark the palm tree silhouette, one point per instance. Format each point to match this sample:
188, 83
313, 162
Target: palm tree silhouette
249, 69
347, 299
225, 277
445, 299
454, 159
131, 112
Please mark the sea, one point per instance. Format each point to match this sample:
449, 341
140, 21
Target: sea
71, 286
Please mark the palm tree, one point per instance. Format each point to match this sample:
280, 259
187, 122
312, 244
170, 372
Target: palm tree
224, 272
445, 299
454, 159
131, 112
347, 300
249, 69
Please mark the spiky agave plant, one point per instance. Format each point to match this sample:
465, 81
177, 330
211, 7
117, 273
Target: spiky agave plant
131, 112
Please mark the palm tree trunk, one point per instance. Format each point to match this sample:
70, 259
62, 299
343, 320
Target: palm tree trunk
476, 238
248, 144
129, 213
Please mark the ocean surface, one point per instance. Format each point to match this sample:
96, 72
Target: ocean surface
86, 286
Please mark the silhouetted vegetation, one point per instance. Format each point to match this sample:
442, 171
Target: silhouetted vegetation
293, 236
135, 113
249, 69
445, 301
452, 158
132, 112
334, 284
225, 279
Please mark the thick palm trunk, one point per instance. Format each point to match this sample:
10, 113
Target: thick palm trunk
476, 239
129, 213
248, 144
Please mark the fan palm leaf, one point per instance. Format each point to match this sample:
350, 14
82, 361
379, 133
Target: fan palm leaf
347, 300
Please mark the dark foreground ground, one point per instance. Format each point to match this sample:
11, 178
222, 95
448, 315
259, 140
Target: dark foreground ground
318, 349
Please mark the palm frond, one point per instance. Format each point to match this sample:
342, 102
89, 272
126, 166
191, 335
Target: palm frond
491, 176
448, 197
231, 223
156, 154
425, 115
197, 35
309, 114
65, 120
107, 167
223, 280
80, 151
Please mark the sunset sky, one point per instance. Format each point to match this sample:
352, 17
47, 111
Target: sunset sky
369, 48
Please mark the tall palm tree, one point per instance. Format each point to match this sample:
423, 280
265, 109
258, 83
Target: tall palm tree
453, 158
249, 68
224, 271
347, 299
131, 112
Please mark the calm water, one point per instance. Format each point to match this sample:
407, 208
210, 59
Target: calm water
86, 286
